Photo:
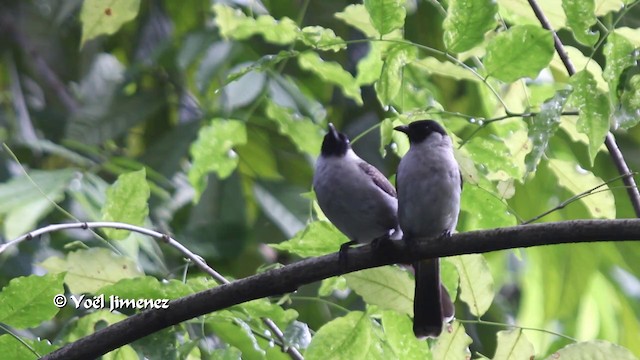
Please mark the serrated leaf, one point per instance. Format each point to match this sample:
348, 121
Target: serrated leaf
28, 301
322, 38
332, 73
388, 287
303, 132
212, 151
594, 110
105, 18
483, 210
398, 329
391, 75
127, 202
318, 238
513, 345
521, 51
91, 269
234, 24
543, 126
593, 350
15, 349
493, 154
476, 282
580, 17
466, 23
620, 55
386, 15
577, 180
357, 16
452, 344
348, 337
22, 204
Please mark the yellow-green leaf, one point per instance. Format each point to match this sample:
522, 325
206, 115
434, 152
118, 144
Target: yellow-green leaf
101, 17
388, 287
476, 282
127, 202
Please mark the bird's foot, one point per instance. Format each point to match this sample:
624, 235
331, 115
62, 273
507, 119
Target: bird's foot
446, 234
380, 242
342, 254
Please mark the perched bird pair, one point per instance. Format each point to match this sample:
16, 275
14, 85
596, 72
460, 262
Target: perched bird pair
362, 204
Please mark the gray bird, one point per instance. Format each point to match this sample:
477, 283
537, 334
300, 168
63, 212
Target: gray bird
353, 194
429, 184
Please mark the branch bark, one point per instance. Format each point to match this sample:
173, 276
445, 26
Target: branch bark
610, 140
289, 278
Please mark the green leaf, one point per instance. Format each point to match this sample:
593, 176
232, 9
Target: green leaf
28, 301
127, 202
476, 282
386, 15
513, 345
398, 329
370, 67
328, 286
87, 324
237, 333
261, 64
234, 24
318, 238
258, 309
452, 344
391, 75
466, 23
303, 132
572, 177
593, 350
483, 210
212, 151
543, 126
14, 349
348, 337
619, 55
148, 287
521, 51
91, 269
445, 68
105, 18
332, 73
388, 287
493, 154
23, 204
322, 38
357, 16
594, 110
580, 17
627, 113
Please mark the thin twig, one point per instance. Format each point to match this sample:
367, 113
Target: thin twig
199, 261
576, 197
610, 140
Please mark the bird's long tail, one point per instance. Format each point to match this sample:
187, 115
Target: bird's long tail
432, 304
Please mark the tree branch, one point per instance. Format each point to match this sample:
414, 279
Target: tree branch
610, 140
287, 279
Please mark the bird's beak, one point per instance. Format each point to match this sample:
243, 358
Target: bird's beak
402, 128
333, 131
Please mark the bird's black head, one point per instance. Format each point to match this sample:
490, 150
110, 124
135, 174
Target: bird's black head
335, 143
419, 130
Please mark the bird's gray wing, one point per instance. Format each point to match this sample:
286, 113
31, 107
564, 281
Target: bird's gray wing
377, 178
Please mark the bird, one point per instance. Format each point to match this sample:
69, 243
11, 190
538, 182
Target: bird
353, 194
428, 184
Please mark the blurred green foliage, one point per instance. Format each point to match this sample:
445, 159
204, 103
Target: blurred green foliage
224, 105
